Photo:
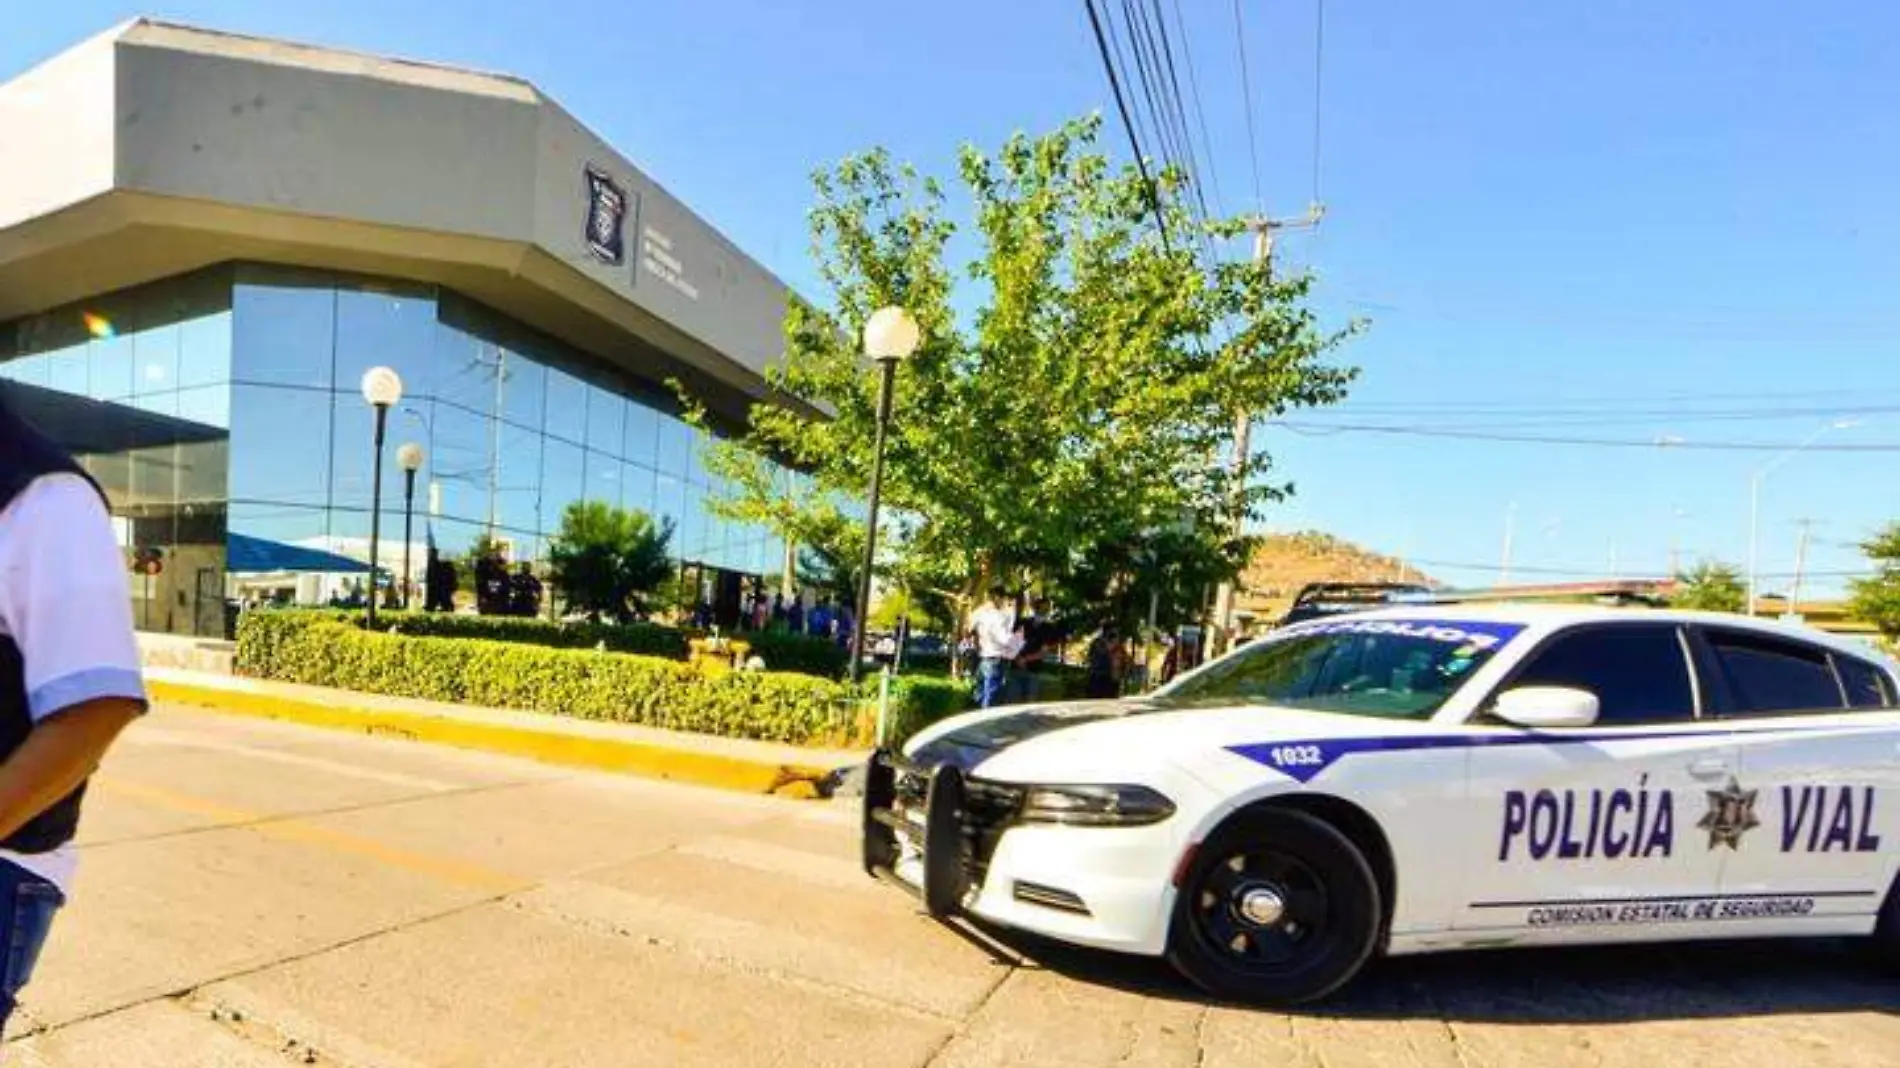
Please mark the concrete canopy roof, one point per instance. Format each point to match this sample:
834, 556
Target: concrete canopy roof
156, 149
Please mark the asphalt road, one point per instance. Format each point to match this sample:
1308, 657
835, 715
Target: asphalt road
255, 895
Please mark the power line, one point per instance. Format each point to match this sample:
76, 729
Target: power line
1323, 429
1597, 572
1121, 105
1141, 43
1584, 418
1170, 93
1246, 93
1200, 114
1162, 115
1616, 403
1160, 22
1144, 127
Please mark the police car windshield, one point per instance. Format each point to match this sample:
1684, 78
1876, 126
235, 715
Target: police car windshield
1401, 669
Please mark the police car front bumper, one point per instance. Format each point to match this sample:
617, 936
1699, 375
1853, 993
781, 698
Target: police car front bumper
954, 841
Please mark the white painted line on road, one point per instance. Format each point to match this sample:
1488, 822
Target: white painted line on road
160, 737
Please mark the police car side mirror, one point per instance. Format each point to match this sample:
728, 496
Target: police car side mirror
1546, 706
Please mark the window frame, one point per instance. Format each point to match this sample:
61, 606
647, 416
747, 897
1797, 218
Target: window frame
1728, 705
1889, 691
1484, 712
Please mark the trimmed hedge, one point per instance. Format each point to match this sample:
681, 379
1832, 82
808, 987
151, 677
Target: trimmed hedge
781, 651
771, 706
917, 701
327, 649
785, 651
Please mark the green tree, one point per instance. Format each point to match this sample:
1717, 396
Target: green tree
1876, 600
608, 561
929, 612
1710, 586
1085, 394
831, 556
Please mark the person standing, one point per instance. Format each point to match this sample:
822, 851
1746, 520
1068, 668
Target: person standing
69, 679
843, 624
1042, 649
1104, 667
997, 644
524, 592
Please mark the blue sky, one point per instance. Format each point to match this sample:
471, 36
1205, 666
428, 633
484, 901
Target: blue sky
1598, 220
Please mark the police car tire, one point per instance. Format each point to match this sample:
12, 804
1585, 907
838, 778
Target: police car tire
1887, 932
1348, 939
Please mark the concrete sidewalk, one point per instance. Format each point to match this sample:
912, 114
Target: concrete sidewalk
706, 760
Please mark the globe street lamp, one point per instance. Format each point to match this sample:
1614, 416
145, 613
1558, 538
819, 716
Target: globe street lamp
890, 335
1754, 495
382, 388
409, 458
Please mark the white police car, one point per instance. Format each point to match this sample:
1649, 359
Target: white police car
1422, 778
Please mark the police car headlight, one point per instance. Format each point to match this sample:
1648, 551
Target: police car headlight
1093, 806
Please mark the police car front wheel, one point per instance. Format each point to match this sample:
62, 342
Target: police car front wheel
1278, 907
1887, 933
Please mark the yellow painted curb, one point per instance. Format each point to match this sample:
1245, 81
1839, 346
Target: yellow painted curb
550, 747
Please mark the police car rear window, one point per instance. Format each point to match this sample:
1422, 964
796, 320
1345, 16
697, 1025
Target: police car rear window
1402, 669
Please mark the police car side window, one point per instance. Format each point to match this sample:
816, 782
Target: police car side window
1637, 671
1771, 675
1867, 686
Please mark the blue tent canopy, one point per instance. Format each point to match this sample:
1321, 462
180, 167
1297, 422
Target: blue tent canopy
244, 553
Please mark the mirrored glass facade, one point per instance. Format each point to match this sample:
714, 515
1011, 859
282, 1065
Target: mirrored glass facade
228, 403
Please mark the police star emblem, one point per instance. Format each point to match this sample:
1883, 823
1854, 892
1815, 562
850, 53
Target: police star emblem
1731, 813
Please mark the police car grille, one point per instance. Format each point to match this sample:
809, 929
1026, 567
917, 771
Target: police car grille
988, 811
989, 808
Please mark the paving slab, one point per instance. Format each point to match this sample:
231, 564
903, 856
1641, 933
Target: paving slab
866, 939
1039, 1017
502, 987
162, 916
157, 1034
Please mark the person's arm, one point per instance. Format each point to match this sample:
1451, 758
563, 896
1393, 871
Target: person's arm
62, 751
64, 604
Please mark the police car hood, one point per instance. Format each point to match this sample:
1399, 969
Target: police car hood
1112, 741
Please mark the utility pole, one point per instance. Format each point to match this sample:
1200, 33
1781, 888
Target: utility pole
1263, 229
1800, 564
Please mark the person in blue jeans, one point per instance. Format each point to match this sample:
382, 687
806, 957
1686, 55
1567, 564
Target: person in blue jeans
998, 641
69, 679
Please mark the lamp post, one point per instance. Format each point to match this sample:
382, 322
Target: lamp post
1754, 496
409, 458
890, 335
382, 388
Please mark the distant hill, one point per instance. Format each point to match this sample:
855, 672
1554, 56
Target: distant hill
1282, 563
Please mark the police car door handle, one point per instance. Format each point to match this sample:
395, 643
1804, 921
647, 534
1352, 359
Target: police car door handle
1708, 768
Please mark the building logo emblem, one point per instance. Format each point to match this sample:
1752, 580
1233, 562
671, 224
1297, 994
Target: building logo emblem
1731, 813
606, 218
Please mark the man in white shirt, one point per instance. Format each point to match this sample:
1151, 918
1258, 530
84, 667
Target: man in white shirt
997, 643
69, 679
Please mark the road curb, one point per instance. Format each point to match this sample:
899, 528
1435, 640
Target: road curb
718, 770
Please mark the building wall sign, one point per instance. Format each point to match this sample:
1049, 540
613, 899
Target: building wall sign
606, 218
657, 256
